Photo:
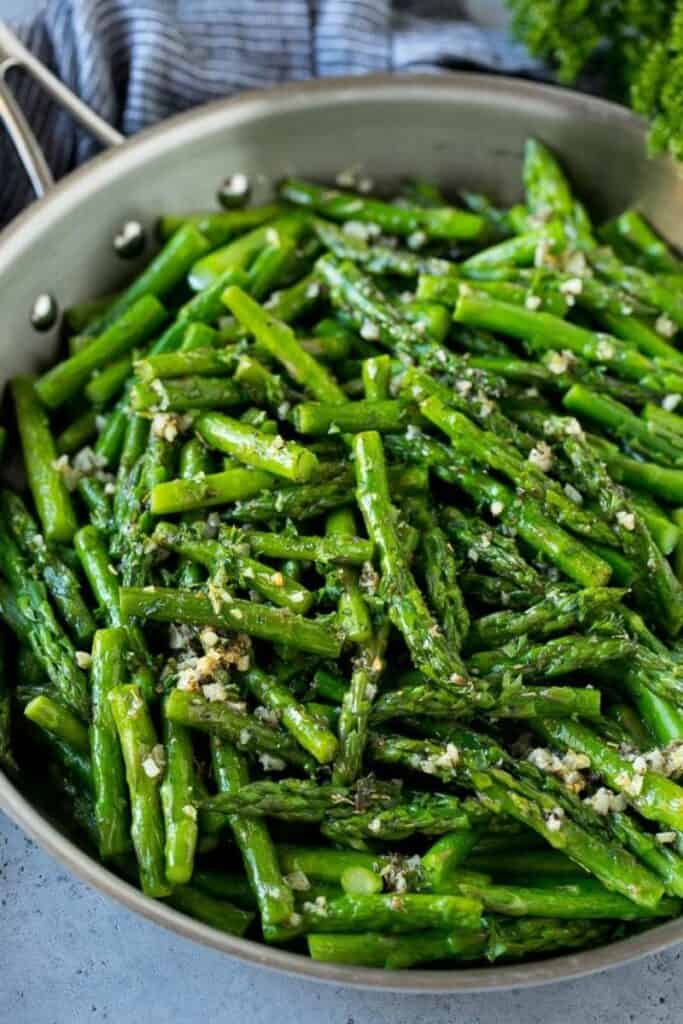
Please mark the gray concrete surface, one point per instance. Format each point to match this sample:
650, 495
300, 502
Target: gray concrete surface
70, 956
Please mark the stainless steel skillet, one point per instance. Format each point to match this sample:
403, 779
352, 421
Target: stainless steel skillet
457, 129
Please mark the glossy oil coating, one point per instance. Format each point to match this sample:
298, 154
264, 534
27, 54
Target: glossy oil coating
457, 130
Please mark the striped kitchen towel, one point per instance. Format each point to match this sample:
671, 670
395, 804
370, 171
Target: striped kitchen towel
137, 61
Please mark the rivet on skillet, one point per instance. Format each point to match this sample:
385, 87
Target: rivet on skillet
234, 191
45, 312
130, 241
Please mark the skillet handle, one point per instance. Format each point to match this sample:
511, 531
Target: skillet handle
14, 54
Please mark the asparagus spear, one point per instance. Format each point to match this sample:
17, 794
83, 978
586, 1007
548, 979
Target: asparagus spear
447, 854
338, 548
50, 495
636, 232
109, 780
245, 731
279, 340
60, 580
547, 332
522, 866
546, 188
59, 721
240, 254
104, 584
78, 433
471, 442
186, 394
416, 814
319, 418
270, 454
178, 803
657, 587
357, 705
509, 940
48, 641
275, 900
490, 591
656, 797
219, 225
560, 611
443, 222
513, 701
217, 913
661, 716
142, 755
376, 317
309, 800
440, 571
198, 362
405, 913
521, 513
584, 900
309, 732
376, 375
298, 503
640, 283
500, 792
134, 520
487, 548
407, 608
204, 490
226, 561
163, 604
139, 322
376, 258
556, 657
193, 459
352, 611
655, 441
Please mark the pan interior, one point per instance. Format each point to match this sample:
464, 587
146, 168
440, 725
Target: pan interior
461, 131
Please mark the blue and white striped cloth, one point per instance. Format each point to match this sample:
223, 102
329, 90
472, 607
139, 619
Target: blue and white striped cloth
138, 61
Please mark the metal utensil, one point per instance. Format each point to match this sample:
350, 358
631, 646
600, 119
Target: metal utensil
456, 129
13, 54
